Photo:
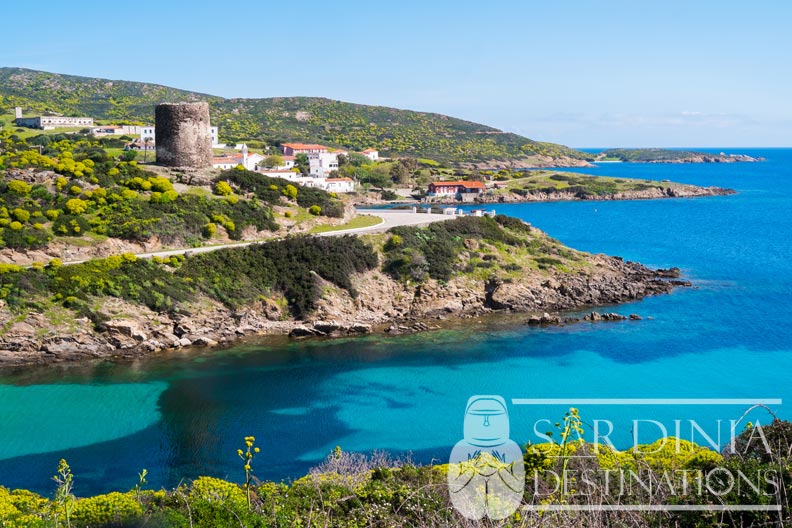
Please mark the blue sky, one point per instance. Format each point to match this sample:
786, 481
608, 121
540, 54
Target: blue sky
580, 72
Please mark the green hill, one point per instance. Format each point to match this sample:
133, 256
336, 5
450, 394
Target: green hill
394, 132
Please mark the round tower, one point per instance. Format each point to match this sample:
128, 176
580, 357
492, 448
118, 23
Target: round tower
183, 136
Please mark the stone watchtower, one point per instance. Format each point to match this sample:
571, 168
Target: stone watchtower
183, 136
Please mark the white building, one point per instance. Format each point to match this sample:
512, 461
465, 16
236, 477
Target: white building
114, 130
371, 154
339, 185
147, 132
247, 160
336, 185
321, 164
280, 173
288, 162
53, 122
150, 132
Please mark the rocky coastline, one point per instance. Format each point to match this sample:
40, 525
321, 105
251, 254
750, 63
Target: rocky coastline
381, 305
653, 193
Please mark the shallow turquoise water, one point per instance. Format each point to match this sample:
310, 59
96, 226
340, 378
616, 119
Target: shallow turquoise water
185, 416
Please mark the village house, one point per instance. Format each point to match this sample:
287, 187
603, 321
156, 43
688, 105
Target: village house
339, 185
246, 159
461, 190
336, 185
50, 122
288, 162
280, 173
114, 130
292, 149
371, 154
321, 164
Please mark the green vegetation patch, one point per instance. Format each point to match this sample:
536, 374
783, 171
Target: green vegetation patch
292, 267
271, 189
306, 119
233, 276
417, 253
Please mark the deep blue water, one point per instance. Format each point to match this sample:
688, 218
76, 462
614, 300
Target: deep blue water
185, 415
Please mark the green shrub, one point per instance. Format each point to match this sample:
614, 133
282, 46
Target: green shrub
239, 276
21, 214
19, 187
223, 189
290, 192
76, 206
112, 509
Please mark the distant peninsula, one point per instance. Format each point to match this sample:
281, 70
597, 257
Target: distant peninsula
658, 155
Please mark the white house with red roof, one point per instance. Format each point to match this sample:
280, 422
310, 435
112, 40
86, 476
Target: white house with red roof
452, 188
371, 154
292, 149
244, 158
339, 185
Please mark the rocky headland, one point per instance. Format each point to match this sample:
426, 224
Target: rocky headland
564, 280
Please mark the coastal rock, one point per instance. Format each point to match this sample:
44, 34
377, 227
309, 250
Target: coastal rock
204, 341
359, 328
302, 331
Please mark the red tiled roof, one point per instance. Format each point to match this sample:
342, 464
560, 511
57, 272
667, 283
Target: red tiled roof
465, 184
303, 146
339, 179
369, 151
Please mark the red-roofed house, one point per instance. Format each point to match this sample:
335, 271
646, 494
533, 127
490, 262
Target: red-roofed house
455, 188
371, 154
249, 161
339, 185
292, 149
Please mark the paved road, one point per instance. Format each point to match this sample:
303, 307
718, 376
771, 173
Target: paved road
389, 219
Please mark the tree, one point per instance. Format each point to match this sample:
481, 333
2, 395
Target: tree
403, 170
376, 177
399, 173
272, 161
301, 162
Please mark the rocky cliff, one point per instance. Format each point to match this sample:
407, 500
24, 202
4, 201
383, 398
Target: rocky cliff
380, 302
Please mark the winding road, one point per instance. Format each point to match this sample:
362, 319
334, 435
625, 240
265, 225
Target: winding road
390, 218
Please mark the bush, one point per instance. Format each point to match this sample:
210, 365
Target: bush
113, 509
315, 210
209, 230
223, 189
70, 225
76, 206
21, 214
19, 187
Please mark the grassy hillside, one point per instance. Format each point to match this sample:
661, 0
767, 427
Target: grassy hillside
353, 126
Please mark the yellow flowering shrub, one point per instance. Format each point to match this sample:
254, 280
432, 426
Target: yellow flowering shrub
112, 509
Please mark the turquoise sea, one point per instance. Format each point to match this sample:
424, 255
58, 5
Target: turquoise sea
185, 415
